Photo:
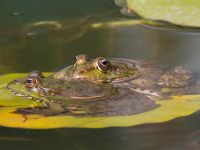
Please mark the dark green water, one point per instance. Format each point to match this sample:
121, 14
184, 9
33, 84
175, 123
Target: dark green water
24, 48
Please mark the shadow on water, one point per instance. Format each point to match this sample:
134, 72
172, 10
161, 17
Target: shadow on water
177, 134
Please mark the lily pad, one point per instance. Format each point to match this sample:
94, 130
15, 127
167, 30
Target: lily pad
177, 106
179, 12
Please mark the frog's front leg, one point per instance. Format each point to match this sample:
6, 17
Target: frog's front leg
50, 109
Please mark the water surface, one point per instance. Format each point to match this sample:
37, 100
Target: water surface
24, 48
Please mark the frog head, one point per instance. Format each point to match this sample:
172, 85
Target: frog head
100, 69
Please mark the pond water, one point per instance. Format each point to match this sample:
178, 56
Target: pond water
25, 46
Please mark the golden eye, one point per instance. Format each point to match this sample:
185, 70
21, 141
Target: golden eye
30, 83
81, 59
103, 64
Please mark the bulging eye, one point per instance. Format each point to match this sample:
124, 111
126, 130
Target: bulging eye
35, 74
103, 64
30, 83
80, 59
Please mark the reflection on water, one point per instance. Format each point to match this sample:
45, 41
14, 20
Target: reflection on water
48, 48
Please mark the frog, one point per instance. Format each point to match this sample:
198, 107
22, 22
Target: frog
119, 81
142, 76
78, 98
101, 70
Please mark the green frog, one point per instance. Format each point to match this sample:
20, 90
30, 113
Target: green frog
145, 77
78, 97
101, 70
107, 86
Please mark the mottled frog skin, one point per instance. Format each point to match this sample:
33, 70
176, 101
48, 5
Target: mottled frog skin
101, 70
106, 87
161, 81
145, 77
79, 97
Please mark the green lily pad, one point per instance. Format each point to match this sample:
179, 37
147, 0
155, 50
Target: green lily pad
179, 12
177, 106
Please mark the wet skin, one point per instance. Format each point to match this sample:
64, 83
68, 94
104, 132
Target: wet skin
100, 86
74, 89
80, 98
100, 70
162, 81
141, 76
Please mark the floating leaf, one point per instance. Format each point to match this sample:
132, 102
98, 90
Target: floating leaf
179, 12
177, 106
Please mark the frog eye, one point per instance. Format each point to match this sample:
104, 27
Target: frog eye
103, 64
80, 59
30, 83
